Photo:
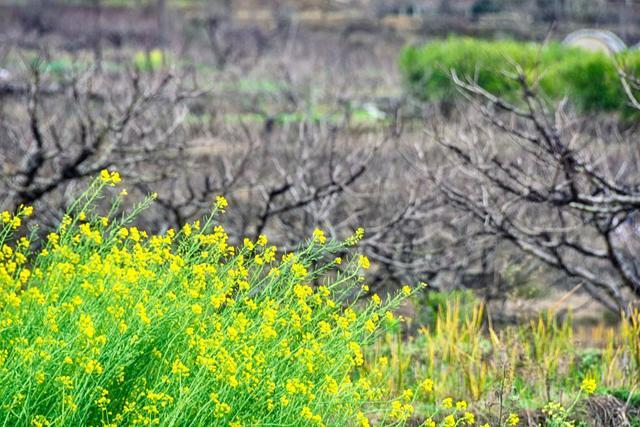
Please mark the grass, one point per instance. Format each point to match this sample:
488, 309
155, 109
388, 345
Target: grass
539, 366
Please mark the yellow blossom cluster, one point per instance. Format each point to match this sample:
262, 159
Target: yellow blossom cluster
107, 324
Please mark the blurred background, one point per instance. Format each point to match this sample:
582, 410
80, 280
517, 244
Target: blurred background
486, 146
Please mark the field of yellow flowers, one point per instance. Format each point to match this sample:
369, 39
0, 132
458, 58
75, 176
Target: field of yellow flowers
102, 324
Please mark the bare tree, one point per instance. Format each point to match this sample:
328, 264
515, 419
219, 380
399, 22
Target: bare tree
530, 176
64, 133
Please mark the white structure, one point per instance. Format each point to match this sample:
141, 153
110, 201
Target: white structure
596, 40
4, 74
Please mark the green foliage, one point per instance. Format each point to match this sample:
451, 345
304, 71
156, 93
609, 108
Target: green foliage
588, 361
149, 61
626, 395
589, 79
433, 303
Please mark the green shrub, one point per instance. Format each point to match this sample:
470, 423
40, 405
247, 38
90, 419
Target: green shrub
589, 79
149, 61
427, 68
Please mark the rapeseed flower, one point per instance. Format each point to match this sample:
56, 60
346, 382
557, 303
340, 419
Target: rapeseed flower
109, 178
513, 419
319, 237
588, 385
183, 327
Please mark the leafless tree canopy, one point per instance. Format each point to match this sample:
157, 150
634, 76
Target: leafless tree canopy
282, 179
559, 189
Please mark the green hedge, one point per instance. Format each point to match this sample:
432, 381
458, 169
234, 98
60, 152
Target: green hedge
588, 79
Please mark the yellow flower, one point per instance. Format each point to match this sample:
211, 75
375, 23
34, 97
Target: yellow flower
319, 237
302, 291
142, 313
406, 290
248, 244
427, 385
513, 419
40, 421
356, 237
105, 176
16, 222
363, 262
588, 385
103, 401
85, 324
109, 178
376, 299
358, 359
399, 411
221, 203
178, 368
461, 405
447, 403
324, 327
449, 421
310, 416
40, 377
197, 309
65, 381
299, 271
369, 326
469, 418
362, 420
275, 272
93, 366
